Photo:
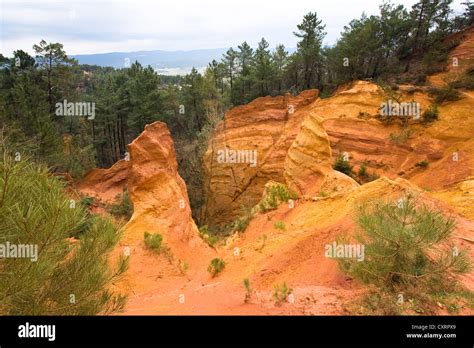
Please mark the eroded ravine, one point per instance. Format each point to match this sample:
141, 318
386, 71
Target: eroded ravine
297, 149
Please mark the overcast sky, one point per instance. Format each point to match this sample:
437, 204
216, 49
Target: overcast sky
99, 26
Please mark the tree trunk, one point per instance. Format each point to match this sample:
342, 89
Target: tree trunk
417, 36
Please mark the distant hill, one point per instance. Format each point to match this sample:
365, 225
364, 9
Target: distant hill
164, 62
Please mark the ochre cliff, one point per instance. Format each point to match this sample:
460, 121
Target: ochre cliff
346, 123
268, 126
158, 193
160, 205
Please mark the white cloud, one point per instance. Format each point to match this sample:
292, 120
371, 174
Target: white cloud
97, 26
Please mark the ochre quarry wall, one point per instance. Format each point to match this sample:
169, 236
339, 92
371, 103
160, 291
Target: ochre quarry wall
351, 120
266, 125
299, 149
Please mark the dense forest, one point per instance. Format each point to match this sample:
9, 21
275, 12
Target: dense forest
398, 45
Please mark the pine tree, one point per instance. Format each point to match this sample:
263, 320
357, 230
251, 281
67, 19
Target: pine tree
263, 69
27, 107
194, 96
245, 61
425, 15
293, 74
230, 63
402, 248
54, 62
311, 32
280, 60
69, 274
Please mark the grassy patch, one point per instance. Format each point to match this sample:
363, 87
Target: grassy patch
248, 290
216, 266
208, 236
279, 225
241, 223
276, 195
363, 175
153, 241
402, 137
444, 94
122, 207
431, 114
281, 293
466, 81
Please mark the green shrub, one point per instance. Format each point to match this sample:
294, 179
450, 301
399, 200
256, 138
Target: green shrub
210, 238
122, 206
325, 93
389, 92
68, 277
363, 175
241, 223
276, 195
248, 290
402, 250
434, 60
217, 266
402, 138
87, 201
466, 81
448, 93
343, 166
279, 225
422, 164
153, 241
281, 293
415, 78
183, 266
363, 170
431, 114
